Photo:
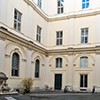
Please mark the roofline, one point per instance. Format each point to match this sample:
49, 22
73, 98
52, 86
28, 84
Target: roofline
64, 16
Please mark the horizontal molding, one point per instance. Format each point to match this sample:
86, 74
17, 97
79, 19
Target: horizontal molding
64, 16
44, 50
7, 35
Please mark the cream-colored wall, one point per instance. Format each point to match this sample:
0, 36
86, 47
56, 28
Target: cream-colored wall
2, 54
71, 28
85, 22
58, 26
26, 66
70, 6
3, 5
30, 19
53, 70
89, 71
72, 31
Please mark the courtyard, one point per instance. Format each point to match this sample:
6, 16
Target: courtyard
53, 96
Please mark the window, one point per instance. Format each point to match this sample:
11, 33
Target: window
15, 64
84, 35
83, 80
38, 35
84, 62
60, 5
85, 4
17, 20
58, 62
37, 66
39, 3
59, 37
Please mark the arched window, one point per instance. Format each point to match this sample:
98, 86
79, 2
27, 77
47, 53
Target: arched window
15, 64
58, 62
84, 62
37, 67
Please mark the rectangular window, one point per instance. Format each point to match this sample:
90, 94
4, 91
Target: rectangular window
84, 35
60, 5
58, 62
38, 35
83, 80
85, 4
17, 20
84, 62
39, 3
59, 37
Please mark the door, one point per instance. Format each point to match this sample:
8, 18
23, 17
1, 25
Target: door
83, 80
58, 81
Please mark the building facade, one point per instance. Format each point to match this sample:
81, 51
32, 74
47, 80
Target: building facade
55, 42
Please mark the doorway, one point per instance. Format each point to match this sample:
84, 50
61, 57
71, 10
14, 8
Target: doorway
58, 82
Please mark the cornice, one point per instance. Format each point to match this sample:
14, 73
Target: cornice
72, 51
75, 15
58, 17
7, 35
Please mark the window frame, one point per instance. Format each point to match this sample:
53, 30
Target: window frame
83, 80
39, 3
37, 68
38, 34
15, 67
84, 35
85, 4
59, 38
59, 62
84, 62
17, 20
60, 7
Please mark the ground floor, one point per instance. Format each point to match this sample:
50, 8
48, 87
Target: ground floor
78, 68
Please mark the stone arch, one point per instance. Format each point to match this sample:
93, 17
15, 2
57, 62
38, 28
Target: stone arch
80, 55
91, 60
10, 48
56, 56
36, 55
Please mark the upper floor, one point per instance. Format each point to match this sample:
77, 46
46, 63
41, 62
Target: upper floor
59, 29
54, 7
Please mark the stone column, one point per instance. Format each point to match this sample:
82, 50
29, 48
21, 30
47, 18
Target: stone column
2, 55
70, 70
29, 65
96, 75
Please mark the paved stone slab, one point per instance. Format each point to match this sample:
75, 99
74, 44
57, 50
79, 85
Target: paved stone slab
10, 98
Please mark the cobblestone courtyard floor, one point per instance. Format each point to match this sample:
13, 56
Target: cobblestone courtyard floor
54, 96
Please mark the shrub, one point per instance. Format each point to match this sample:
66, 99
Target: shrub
27, 84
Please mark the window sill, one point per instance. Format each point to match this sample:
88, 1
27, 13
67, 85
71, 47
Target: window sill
58, 69
14, 77
37, 79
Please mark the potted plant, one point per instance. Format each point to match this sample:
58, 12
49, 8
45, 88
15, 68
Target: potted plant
27, 84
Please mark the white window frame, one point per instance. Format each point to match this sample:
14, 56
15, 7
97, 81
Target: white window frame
60, 6
84, 62
59, 62
39, 3
38, 35
85, 4
59, 37
84, 35
17, 20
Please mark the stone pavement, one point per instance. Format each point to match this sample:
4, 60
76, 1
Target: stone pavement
53, 96
66, 96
